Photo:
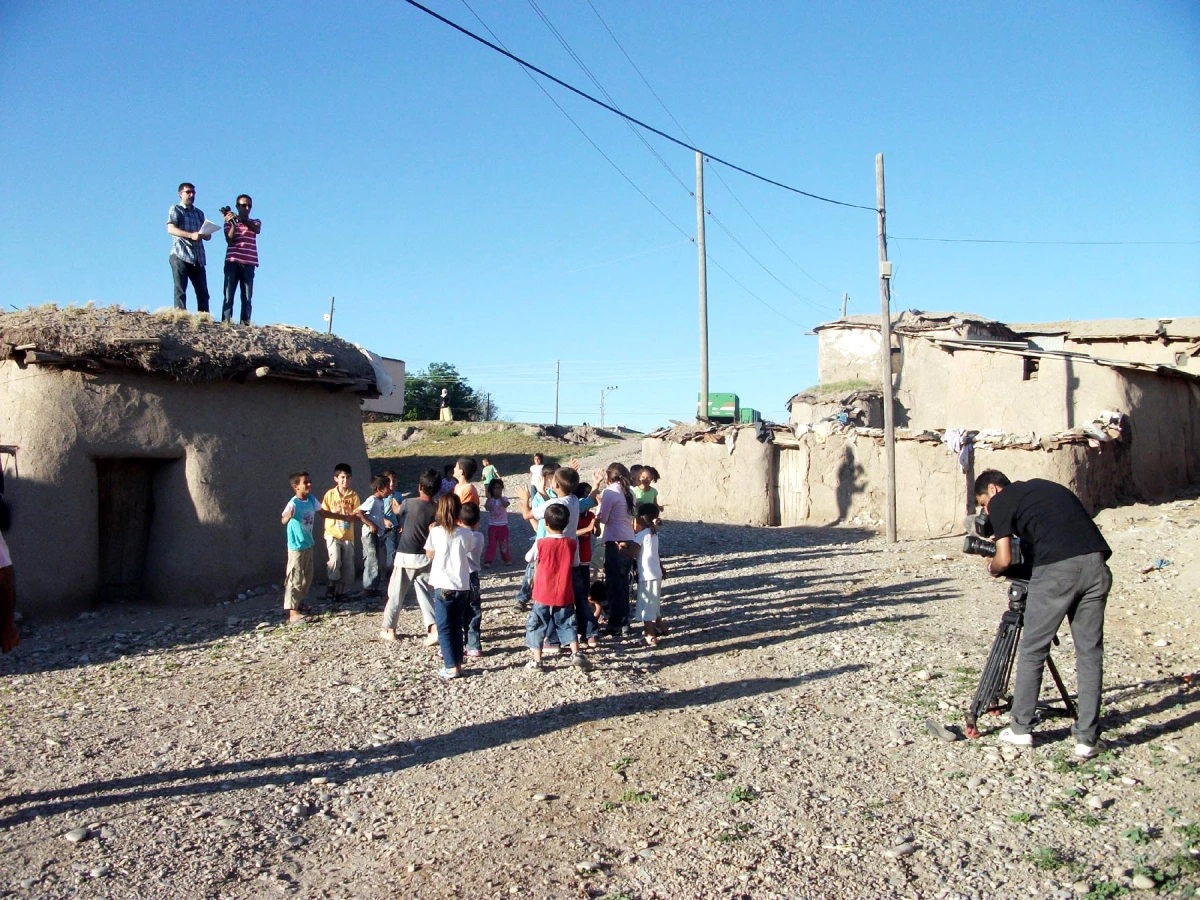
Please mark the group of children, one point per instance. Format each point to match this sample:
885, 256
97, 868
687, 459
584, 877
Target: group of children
433, 544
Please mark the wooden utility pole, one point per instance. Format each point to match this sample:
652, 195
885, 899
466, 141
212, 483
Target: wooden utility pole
703, 411
845, 300
557, 370
885, 333
330, 316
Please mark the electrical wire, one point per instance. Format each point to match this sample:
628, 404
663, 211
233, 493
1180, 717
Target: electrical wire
578, 127
607, 96
674, 140
939, 240
716, 172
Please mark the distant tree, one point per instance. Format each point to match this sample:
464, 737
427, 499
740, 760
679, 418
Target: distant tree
423, 395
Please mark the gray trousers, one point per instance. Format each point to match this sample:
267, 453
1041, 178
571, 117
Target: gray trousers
1076, 588
409, 569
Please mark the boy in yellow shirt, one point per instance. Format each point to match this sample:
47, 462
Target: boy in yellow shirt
340, 505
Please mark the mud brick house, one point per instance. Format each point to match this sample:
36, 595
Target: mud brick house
152, 451
1112, 409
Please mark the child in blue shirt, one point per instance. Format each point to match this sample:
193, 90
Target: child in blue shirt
299, 516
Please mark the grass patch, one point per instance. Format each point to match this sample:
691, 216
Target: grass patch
1021, 817
1138, 836
623, 763
636, 797
743, 795
734, 834
839, 389
1103, 890
1048, 859
510, 450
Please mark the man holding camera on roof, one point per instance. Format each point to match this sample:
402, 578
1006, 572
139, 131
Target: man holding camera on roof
1070, 579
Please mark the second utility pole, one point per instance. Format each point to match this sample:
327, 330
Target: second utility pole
703, 405
885, 334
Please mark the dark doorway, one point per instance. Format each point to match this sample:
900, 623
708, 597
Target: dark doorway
126, 500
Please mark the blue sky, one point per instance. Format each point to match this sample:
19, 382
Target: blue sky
459, 216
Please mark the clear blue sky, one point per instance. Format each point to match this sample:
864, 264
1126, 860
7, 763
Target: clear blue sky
459, 216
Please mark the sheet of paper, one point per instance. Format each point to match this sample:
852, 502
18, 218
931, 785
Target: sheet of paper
209, 227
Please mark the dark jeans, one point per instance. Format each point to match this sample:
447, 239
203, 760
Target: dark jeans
474, 615
1077, 589
550, 624
584, 620
181, 273
236, 274
525, 591
450, 613
616, 587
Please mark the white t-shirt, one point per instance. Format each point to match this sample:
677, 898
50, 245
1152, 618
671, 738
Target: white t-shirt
535, 477
372, 508
571, 502
476, 543
649, 568
451, 568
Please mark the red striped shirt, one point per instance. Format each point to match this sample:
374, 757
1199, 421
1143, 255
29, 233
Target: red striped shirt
244, 246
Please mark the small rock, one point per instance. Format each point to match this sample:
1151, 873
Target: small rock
922, 675
540, 798
1082, 887
262, 626
356, 690
1095, 802
28, 883
1144, 882
1161, 642
320, 779
1120, 871
900, 850
587, 867
975, 783
1129, 782
226, 822
77, 835
100, 872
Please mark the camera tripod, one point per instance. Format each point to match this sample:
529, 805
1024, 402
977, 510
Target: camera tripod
992, 694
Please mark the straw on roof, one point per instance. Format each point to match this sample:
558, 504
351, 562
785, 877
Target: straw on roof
183, 346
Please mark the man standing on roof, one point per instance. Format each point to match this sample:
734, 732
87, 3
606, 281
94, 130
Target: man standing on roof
184, 220
241, 257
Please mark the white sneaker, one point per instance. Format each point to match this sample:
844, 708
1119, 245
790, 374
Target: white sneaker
1089, 751
1017, 740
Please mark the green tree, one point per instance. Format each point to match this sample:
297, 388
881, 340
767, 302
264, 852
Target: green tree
423, 394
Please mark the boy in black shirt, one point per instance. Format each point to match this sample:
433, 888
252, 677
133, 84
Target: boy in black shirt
1070, 578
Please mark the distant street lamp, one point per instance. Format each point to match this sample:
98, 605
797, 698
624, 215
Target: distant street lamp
603, 391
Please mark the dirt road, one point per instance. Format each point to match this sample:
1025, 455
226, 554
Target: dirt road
773, 746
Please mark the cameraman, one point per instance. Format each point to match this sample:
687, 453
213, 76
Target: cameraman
1070, 578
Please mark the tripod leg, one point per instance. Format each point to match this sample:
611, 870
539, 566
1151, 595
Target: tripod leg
996, 672
1062, 688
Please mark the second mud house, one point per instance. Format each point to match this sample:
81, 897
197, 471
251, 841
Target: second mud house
972, 393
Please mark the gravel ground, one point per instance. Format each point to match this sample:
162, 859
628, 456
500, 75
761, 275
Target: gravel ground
773, 746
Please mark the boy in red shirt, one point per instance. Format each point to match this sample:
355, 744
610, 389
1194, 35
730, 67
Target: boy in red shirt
553, 612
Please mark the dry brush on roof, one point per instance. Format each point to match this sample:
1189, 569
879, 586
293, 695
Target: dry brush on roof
188, 347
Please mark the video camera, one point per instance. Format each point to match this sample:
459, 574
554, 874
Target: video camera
982, 543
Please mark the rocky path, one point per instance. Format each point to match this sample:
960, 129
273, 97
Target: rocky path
773, 746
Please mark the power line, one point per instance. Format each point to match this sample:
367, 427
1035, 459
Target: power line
578, 127
716, 172
638, 122
787, 288
939, 240
607, 96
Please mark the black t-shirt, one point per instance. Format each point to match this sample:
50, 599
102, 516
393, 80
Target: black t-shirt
1048, 518
416, 515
